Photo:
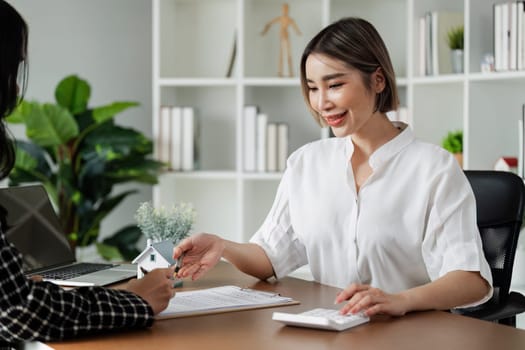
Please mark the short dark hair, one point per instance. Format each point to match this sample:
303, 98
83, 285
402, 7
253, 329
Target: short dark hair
13, 72
355, 42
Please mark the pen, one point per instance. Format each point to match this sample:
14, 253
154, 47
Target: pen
178, 263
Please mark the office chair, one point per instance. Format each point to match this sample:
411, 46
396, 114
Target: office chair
500, 199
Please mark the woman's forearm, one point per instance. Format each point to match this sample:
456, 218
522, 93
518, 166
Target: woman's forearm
249, 258
456, 288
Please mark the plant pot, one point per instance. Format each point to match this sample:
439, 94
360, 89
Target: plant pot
456, 57
459, 158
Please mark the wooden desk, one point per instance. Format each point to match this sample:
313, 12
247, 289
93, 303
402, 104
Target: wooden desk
255, 329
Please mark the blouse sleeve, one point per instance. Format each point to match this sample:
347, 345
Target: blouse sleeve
452, 240
276, 236
44, 311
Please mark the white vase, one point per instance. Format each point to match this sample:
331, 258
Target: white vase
456, 57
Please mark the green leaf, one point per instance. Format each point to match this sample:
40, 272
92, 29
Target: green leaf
92, 212
18, 115
114, 141
50, 125
111, 203
453, 142
73, 94
126, 241
144, 173
109, 252
102, 114
30, 164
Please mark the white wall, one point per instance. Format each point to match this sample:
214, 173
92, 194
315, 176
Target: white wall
106, 42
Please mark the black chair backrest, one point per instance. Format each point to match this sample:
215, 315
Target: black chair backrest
500, 198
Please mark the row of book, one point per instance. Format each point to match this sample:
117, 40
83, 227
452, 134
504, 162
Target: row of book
509, 36
434, 51
265, 143
178, 138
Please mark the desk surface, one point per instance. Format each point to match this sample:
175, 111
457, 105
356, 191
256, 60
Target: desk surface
254, 329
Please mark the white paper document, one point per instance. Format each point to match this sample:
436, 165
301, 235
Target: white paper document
221, 299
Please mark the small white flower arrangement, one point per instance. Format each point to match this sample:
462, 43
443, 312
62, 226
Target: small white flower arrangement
159, 224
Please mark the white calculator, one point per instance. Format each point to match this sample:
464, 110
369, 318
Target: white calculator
321, 318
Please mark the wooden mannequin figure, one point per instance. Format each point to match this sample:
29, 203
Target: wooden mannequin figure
285, 21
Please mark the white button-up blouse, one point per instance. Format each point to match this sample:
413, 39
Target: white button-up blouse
413, 220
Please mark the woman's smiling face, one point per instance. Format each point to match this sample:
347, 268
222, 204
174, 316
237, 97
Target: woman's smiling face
338, 94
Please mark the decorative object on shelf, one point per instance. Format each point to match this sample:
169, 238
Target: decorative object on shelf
284, 47
487, 63
455, 43
232, 57
79, 154
507, 164
453, 143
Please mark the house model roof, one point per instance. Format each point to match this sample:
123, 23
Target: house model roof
164, 248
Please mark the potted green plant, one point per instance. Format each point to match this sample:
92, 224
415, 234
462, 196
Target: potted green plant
453, 142
455, 43
79, 154
160, 224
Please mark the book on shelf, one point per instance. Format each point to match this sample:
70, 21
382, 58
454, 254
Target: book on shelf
190, 140
428, 44
498, 36
282, 145
422, 65
271, 147
520, 35
163, 137
265, 144
176, 138
262, 123
513, 35
250, 137
509, 36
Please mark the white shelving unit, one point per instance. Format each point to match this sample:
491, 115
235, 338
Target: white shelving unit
192, 45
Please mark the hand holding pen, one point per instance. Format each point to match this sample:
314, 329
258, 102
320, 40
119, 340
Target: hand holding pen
156, 287
200, 253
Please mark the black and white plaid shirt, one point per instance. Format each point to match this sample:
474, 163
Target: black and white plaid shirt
43, 311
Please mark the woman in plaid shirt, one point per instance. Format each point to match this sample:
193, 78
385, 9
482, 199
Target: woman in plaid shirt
36, 310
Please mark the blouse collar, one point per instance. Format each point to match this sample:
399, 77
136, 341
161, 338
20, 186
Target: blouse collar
387, 151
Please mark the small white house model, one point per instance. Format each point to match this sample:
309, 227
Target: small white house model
156, 255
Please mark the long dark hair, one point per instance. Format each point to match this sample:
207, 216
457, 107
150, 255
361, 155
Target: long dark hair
13, 76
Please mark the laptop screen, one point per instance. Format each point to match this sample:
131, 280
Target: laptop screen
30, 223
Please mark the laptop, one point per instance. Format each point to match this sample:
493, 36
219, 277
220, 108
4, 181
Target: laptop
32, 226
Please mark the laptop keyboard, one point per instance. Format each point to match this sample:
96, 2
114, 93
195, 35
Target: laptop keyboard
65, 273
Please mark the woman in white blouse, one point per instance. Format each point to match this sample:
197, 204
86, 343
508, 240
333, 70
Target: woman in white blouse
389, 219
